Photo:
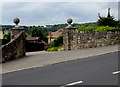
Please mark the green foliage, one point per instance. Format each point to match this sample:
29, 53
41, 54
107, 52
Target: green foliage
55, 27
118, 24
91, 28
89, 24
37, 32
98, 28
6, 36
60, 48
88, 28
57, 42
107, 21
105, 28
53, 49
80, 27
45, 38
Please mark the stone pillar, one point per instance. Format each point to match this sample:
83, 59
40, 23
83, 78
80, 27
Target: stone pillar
68, 38
16, 30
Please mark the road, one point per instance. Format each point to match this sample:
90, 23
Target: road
38, 59
96, 70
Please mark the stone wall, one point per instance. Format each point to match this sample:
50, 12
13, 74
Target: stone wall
14, 49
76, 39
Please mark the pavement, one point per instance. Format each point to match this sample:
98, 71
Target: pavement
42, 58
95, 70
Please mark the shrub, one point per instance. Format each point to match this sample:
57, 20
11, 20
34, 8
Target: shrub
98, 28
80, 27
57, 42
105, 28
37, 32
53, 49
88, 28
6, 36
60, 48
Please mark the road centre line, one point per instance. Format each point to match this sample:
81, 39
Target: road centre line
74, 83
116, 72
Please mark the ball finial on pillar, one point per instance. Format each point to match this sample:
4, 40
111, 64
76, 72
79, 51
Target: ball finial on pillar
17, 29
16, 21
69, 21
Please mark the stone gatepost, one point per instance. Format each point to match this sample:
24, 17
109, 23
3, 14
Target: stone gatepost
68, 36
16, 30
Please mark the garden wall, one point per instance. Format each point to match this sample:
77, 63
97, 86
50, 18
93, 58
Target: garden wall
4, 41
76, 39
14, 49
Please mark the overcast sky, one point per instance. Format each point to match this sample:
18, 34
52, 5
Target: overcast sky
45, 13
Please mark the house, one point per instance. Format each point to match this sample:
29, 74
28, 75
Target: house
54, 35
32, 39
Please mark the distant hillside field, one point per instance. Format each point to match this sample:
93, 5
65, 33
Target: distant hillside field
1, 35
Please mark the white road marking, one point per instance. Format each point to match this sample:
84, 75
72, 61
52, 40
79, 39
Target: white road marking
74, 83
116, 72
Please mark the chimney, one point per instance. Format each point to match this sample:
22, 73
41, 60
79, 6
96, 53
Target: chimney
49, 37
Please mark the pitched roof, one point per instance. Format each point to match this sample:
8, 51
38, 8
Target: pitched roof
29, 37
57, 33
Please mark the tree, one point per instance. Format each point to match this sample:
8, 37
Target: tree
107, 21
37, 32
119, 24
